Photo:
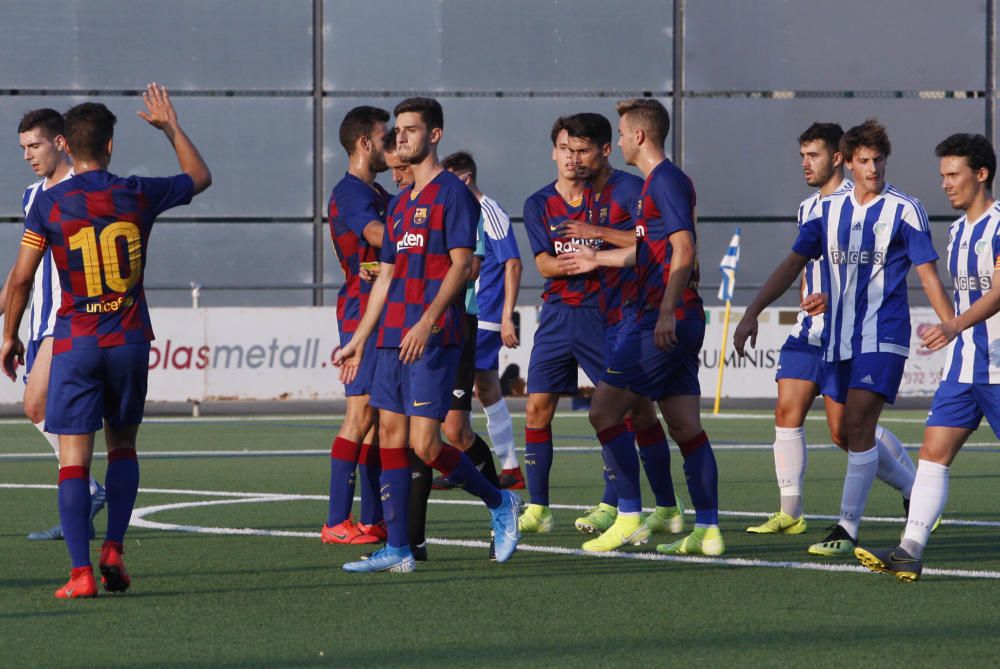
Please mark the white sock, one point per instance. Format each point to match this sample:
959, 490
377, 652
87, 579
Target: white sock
501, 431
861, 469
790, 459
53, 440
930, 493
895, 446
891, 471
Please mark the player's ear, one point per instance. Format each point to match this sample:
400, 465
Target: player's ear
982, 174
838, 159
640, 136
60, 142
111, 146
606, 150
436, 135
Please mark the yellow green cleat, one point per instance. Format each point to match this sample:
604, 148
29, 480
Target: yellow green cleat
780, 523
536, 518
702, 541
626, 530
597, 519
837, 544
666, 519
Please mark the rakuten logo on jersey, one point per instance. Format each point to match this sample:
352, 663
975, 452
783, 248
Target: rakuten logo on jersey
640, 231
573, 244
409, 241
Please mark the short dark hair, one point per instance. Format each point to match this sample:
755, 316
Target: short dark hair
650, 114
558, 127
828, 133
594, 128
389, 141
358, 123
47, 119
89, 128
429, 109
460, 161
976, 149
871, 133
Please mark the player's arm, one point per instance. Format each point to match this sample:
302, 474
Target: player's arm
939, 336
16, 301
3, 292
781, 280
454, 282
160, 114
613, 236
585, 259
682, 260
348, 358
931, 282
373, 232
511, 287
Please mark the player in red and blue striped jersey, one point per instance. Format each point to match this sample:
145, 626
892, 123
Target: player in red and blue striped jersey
611, 220
869, 237
357, 211
97, 226
970, 387
41, 136
416, 302
570, 331
656, 352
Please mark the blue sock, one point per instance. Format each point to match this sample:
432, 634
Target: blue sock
538, 462
395, 492
121, 482
655, 456
618, 449
457, 466
74, 513
368, 471
610, 494
702, 475
343, 460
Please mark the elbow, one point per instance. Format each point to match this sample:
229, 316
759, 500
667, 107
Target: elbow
201, 181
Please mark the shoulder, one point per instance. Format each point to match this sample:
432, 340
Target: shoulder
668, 178
627, 184
496, 222
911, 206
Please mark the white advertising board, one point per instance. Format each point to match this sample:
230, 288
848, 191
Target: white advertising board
284, 353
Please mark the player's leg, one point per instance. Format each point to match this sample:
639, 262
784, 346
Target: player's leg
74, 411
654, 454
387, 396
371, 519
500, 427
344, 456
835, 419
682, 414
39, 359
795, 397
498, 421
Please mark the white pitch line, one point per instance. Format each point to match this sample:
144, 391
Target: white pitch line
139, 520
263, 496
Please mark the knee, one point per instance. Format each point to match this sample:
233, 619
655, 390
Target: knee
460, 436
34, 410
684, 432
599, 419
488, 395
537, 415
786, 416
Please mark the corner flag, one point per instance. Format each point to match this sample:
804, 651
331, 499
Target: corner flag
728, 268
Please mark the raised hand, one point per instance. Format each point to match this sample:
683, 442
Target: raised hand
159, 110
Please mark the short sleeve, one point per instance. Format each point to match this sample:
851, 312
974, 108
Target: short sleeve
916, 231
996, 251
164, 193
480, 251
461, 218
809, 243
534, 223
358, 207
34, 230
387, 253
675, 205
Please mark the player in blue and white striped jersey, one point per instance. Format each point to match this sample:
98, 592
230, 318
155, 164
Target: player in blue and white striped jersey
40, 135
970, 388
801, 365
869, 237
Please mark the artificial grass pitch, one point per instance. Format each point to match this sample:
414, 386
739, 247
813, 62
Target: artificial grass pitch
216, 600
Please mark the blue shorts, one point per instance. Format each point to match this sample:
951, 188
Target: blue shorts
488, 345
964, 405
878, 372
611, 333
422, 388
88, 386
362, 383
639, 366
567, 338
800, 360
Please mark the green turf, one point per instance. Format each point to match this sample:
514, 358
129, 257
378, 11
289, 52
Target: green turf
232, 601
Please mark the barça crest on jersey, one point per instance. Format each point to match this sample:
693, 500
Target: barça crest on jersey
604, 215
420, 216
638, 209
981, 246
